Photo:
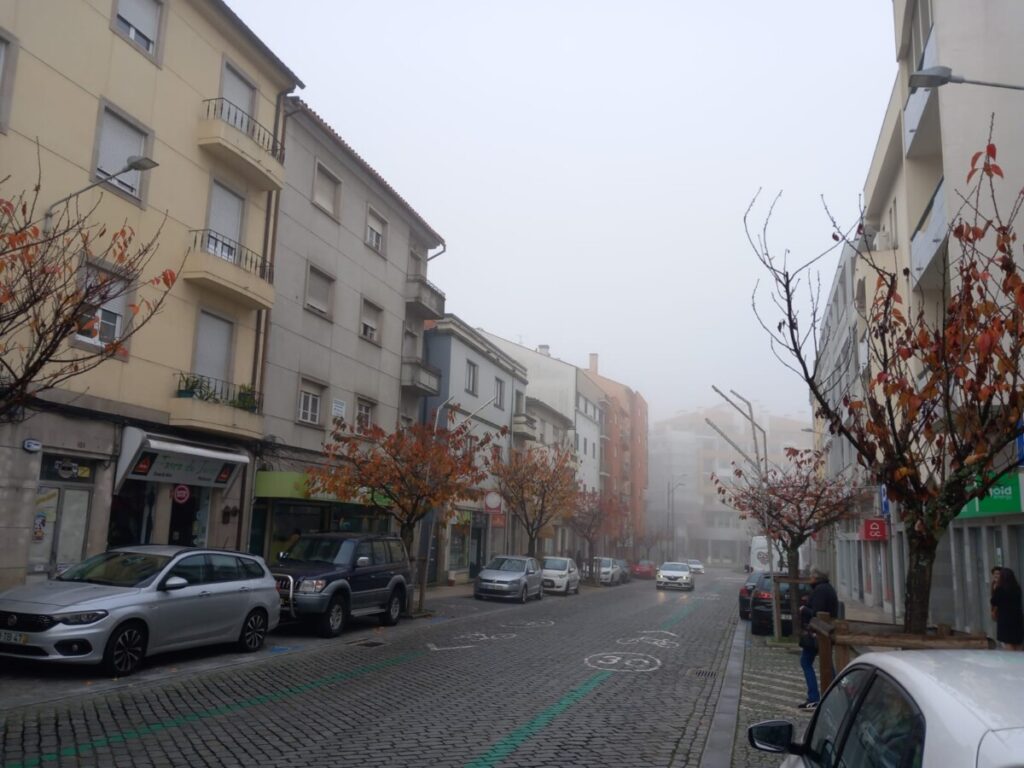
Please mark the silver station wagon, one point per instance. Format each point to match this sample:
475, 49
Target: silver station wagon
123, 605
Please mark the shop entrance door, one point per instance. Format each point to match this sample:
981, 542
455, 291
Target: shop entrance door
58, 530
190, 509
476, 551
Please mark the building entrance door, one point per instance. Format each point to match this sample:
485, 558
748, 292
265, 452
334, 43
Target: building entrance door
58, 530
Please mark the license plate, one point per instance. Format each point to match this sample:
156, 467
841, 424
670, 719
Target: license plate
786, 617
13, 637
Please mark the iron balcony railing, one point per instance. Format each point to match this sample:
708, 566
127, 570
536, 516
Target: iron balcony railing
200, 387
233, 115
231, 251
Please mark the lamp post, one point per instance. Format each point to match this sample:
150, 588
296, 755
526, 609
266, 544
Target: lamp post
134, 163
934, 77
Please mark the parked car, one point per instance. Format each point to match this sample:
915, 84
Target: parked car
329, 578
624, 574
607, 571
674, 575
761, 622
509, 576
642, 569
696, 566
121, 606
560, 574
745, 594
911, 708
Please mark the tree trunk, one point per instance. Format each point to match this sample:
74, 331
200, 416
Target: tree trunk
793, 559
531, 549
917, 591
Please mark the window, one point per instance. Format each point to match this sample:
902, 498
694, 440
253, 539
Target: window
471, 377
593, 449
213, 346
139, 22
192, 569
309, 402
369, 327
397, 551
319, 288
326, 191
824, 739
118, 141
103, 324
375, 230
224, 568
499, 393
225, 224
888, 729
364, 413
584, 446
8, 57
236, 89
380, 553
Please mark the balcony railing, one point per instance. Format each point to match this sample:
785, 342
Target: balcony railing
212, 390
233, 252
235, 116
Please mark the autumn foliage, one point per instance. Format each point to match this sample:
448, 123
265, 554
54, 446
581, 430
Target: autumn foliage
595, 515
53, 280
939, 405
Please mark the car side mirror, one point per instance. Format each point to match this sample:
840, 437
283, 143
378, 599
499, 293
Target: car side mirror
772, 736
362, 562
175, 583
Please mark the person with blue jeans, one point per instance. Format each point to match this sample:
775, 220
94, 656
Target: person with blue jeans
823, 599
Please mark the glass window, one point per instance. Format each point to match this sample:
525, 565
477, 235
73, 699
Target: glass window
326, 190
224, 568
237, 90
365, 549
251, 568
118, 569
105, 323
471, 377
888, 729
139, 21
213, 346
192, 569
397, 551
118, 141
225, 228
309, 403
499, 393
375, 228
826, 730
381, 556
318, 291
458, 550
370, 326
364, 414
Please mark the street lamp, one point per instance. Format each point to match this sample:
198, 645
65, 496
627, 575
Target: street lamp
134, 163
933, 77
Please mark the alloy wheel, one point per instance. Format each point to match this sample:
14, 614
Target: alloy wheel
129, 648
255, 631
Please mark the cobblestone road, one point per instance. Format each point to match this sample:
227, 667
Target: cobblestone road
623, 676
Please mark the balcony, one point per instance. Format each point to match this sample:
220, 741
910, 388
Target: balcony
237, 140
930, 236
212, 405
524, 427
921, 112
423, 298
229, 268
419, 377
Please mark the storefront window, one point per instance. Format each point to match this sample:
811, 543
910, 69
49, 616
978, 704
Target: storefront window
458, 550
290, 522
131, 515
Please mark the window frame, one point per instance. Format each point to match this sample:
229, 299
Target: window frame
499, 393
157, 54
106, 106
224, 317
218, 181
472, 377
82, 342
325, 312
376, 336
381, 248
334, 212
315, 390
8, 66
369, 405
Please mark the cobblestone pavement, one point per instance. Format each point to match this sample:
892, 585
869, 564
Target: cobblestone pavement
773, 686
623, 676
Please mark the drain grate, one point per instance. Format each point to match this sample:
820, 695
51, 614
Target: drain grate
367, 643
703, 674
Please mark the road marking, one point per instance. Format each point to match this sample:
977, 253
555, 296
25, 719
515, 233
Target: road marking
622, 662
656, 632
85, 747
511, 743
525, 624
433, 647
481, 637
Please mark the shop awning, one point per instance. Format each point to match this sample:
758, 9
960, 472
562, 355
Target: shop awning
161, 459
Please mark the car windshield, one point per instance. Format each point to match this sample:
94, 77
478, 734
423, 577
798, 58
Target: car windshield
605, 562
675, 567
694, 562
506, 564
555, 564
316, 549
117, 569
645, 562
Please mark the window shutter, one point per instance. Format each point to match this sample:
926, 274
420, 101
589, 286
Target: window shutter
325, 190
144, 15
119, 141
213, 346
237, 90
226, 212
318, 292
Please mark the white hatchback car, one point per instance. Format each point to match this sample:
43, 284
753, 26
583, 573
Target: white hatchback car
560, 574
913, 709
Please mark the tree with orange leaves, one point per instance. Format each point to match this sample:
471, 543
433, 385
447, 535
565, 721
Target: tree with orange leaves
790, 504
404, 474
939, 404
595, 514
54, 282
538, 484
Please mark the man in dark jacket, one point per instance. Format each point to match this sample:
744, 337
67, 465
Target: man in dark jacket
823, 599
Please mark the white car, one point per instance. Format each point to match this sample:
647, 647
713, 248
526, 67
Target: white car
560, 574
912, 708
674, 576
607, 570
696, 566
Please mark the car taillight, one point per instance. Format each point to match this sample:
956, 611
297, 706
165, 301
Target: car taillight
744, 592
763, 595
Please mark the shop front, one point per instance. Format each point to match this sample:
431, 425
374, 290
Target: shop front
62, 514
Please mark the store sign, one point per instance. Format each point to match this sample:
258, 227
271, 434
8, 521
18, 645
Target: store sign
497, 520
1003, 498
157, 459
874, 529
181, 494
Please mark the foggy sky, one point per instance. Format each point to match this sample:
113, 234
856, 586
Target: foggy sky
589, 163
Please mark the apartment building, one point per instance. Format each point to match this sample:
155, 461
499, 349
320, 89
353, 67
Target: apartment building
345, 338
481, 383
156, 445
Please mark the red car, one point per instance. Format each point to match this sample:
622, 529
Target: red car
643, 569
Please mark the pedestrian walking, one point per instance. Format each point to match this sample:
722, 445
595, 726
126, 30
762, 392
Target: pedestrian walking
823, 599
1008, 611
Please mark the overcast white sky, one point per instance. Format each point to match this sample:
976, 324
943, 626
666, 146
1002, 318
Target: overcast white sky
589, 162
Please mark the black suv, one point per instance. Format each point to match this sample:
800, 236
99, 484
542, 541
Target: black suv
761, 605
328, 578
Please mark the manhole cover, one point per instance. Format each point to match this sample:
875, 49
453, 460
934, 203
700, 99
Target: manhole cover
703, 674
367, 643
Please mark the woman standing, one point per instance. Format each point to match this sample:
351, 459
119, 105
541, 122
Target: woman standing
1008, 611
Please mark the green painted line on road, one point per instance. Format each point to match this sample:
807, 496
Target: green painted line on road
511, 743
177, 722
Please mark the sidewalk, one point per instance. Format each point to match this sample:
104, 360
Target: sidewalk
857, 611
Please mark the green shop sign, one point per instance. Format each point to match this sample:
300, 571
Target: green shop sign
1003, 498
293, 485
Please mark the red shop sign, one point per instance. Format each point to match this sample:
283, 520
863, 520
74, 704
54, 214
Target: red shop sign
181, 493
874, 529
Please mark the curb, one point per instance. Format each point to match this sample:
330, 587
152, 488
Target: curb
722, 733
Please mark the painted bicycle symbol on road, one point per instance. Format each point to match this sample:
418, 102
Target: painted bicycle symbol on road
481, 637
657, 642
529, 624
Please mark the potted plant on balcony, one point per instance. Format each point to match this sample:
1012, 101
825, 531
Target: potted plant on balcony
189, 385
246, 398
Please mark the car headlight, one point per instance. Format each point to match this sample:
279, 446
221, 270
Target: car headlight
80, 617
310, 586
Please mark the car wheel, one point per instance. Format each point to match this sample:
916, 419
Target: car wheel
523, 595
254, 631
125, 650
332, 621
477, 596
568, 589
540, 592
394, 609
